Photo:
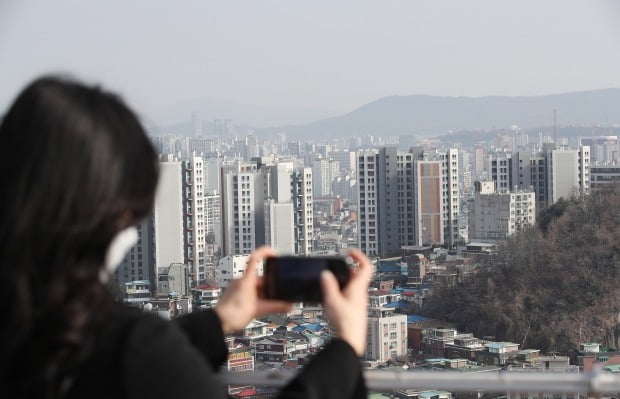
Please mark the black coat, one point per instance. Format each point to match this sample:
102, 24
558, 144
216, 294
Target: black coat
137, 355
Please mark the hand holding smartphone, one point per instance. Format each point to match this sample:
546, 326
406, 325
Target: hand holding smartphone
298, 278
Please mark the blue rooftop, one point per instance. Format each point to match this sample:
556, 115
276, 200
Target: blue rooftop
314, 327
397, 304
388, 268
412, 318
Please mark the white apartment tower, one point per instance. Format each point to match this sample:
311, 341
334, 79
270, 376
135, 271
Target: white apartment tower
271, 205
280, 226
451, 201
324, 171
570, 173
195, 218
212, 167
302, 195
242, 208
495, 216
168, 237
290, 188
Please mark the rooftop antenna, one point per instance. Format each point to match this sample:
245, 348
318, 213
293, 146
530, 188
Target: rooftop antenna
555, 127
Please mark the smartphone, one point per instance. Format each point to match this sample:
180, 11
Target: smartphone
298, 278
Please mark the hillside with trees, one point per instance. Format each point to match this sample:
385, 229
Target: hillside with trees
550, 287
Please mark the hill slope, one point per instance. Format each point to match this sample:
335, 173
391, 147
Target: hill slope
429, 115
552, 287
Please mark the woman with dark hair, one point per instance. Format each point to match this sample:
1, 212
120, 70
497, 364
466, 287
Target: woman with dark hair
78, 174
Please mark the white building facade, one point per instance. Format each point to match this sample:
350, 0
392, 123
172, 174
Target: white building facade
495, 216
168, 216
387, 335
232, 267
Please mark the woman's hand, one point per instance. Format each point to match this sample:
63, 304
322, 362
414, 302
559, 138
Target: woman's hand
348, 310
241, 302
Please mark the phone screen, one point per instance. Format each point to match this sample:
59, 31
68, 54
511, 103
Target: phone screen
298, 279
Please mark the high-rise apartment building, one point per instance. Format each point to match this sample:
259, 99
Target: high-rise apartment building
407, 199
495, 216
168, 216
345, 187
224, 128
196, 124
303, 199
293, 185
212, 167
138, 263
552, 173
280, 226
195, 218
569, 172
367, 223
451, 197
500, 170
603, 149
242, 208
429, 202
271, 205
279, 210
478, 160
346, 159
212, 213
602, 176
324, 171
184, 215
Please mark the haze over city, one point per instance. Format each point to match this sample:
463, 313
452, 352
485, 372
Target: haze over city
319, 59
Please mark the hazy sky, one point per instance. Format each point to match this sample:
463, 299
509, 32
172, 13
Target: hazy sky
334, 54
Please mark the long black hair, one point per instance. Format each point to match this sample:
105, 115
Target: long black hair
76, 168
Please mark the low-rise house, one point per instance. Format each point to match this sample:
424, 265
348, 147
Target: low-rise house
278, 348
136, 292
435, 341
255, 330
528, 356
589, 360
466, 347
379, 298
206, 296
498, 353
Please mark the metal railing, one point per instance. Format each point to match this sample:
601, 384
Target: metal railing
376, 380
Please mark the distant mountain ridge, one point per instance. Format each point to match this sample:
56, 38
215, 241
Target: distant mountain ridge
432, 115
209, 109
